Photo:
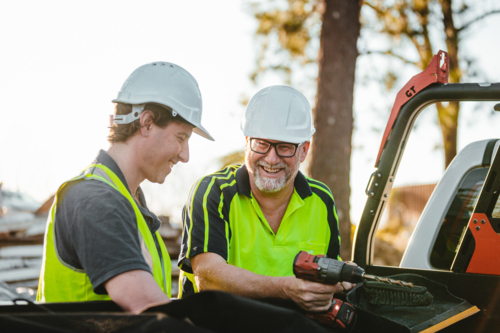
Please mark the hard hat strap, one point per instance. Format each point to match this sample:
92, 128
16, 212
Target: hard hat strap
128, 118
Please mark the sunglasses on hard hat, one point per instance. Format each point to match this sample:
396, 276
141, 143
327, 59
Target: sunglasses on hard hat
283, 149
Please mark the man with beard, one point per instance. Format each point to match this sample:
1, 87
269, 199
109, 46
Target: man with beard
244, 225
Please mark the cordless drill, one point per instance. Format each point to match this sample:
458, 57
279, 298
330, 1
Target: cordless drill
330, 271
307, 267
318, 268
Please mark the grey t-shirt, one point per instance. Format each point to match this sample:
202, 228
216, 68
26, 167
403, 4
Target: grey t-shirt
96, 228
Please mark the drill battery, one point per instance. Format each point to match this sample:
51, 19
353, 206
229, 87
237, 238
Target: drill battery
340, 314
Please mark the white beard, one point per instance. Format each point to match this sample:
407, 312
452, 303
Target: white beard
269, 185
272, 185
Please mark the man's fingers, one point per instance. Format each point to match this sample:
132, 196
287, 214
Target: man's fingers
319, 288
316, 298
319, 306
348, 285
316, 305
312, 296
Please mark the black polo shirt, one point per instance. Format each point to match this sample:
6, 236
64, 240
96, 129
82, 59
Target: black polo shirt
96, 228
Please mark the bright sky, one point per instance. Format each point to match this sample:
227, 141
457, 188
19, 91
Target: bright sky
63, 62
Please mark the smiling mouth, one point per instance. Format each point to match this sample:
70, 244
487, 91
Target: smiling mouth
271, 170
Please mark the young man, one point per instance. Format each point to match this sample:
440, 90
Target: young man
243, 226
101, 240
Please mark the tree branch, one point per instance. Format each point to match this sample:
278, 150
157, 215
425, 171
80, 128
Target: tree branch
391, 54
375, 8
479, 18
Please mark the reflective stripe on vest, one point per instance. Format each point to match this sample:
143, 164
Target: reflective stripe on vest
60, 282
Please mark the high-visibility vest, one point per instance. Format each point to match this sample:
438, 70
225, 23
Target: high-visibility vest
59, 282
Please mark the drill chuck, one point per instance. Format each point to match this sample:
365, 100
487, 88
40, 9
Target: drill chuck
333, 271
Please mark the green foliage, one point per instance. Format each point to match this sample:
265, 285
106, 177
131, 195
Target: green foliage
284, 33
390, 79
419, 22
421, 25
288, 32
402, 21
410, 30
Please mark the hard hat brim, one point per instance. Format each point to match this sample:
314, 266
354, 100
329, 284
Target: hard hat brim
203, 132
282, 138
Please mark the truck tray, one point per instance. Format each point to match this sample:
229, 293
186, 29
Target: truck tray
444, 310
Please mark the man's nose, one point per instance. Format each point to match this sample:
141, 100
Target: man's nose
184, 154
272, 157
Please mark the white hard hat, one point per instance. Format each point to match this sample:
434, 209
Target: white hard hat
278, 113
166, 84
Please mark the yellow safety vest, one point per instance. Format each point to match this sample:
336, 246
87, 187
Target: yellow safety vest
59, 282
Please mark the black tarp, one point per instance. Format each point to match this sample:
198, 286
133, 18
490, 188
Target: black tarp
209, 312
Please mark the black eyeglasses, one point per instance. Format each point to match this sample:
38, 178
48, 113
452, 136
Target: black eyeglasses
283, 149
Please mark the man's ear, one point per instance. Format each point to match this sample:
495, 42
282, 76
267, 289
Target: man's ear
246, 142
146, 120
304, 149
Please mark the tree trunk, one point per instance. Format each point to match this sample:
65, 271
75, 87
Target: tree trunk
448, 116
331, 146
448, 122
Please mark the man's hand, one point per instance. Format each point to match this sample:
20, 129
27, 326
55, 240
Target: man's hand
212, 272
311, 296
135, 290
346, 286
